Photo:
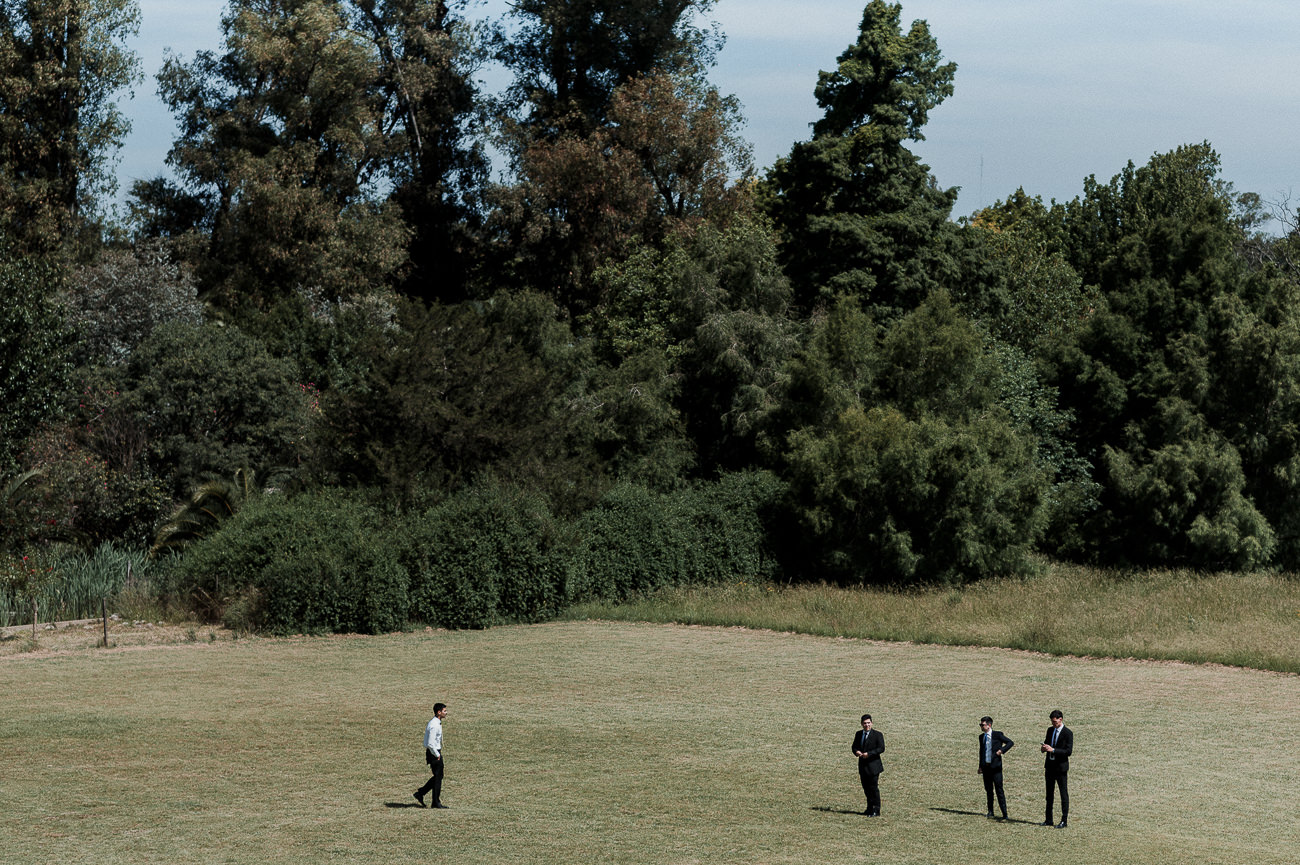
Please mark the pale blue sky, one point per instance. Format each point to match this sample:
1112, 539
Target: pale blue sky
1047, 91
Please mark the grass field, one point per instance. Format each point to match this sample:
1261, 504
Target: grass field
629, 743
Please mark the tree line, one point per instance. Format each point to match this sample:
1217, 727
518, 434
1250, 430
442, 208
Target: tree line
334, 294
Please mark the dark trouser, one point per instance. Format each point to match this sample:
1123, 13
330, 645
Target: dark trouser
870, 786
993, 779
434, 784
1056, 776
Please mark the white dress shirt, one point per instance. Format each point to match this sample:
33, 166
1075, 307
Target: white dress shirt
433, 737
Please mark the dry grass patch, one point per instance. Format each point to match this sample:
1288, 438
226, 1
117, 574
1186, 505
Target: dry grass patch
627, 743
1250, 620
80, 636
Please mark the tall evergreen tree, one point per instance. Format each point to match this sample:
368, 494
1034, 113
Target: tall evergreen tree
859, 213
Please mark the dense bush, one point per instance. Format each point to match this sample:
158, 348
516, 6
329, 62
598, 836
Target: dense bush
213, 400
486, 555
886, 499
312, 563
906, 466
636, 540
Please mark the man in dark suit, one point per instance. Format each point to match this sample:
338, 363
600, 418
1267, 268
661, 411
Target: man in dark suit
1058, 744
868, 745
992, 746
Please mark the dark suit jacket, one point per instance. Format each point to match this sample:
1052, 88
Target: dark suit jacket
1064, 747
1000, 743
873, 745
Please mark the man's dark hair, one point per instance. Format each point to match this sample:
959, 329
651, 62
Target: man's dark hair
865, 718
1056, 713
438, 707
986, 720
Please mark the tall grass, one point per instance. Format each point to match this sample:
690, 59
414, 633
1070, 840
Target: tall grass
1250, 620
114, 574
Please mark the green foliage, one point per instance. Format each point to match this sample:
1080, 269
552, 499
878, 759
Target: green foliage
885, 499
116, 302
902, 466
1041, 300
859, 214
34, 349
617, 140
21, 516
636, 540
312, 563
213, 401
1033, 408
280, 138
1183, 381
489, 554
568, 58
628, 420
111, 573
204, 512
1185, 501
712, 303
451, 392
62, 65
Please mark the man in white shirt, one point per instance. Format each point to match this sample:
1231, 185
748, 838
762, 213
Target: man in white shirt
433, 756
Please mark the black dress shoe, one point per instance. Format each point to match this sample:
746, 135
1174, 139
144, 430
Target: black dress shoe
1046, 823
1004, 816
439, 805
1061, 825
419, 797
989, 815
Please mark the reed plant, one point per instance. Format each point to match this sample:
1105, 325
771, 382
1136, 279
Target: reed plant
83, 583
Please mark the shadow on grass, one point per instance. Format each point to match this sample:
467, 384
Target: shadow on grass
825, 810
403, 805
985, 815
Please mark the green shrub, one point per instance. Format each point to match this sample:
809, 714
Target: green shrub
635, 540
488, 554
312, 563
882, 498
631, 542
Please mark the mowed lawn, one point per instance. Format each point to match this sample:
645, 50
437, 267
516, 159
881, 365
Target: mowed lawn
628, 743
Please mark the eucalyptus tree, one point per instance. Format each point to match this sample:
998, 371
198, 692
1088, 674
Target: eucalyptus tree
301, 141
63, 64
568, 58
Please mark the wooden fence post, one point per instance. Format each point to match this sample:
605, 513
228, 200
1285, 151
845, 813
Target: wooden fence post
103, 611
